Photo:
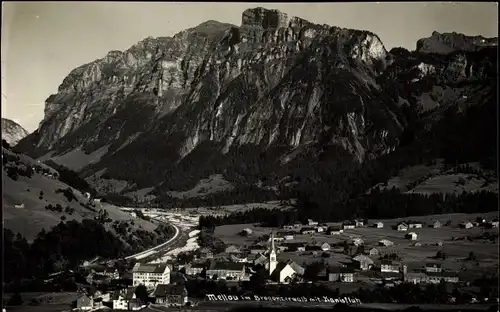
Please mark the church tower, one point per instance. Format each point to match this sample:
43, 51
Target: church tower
272, 256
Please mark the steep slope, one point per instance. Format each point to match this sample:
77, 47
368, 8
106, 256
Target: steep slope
34, 198
12, 132
253, 103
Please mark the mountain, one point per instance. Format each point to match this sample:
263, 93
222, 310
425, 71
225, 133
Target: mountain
276, 103
12, 132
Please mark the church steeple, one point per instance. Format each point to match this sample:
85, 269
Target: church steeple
272, 256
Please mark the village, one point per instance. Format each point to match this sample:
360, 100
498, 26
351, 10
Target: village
344, 255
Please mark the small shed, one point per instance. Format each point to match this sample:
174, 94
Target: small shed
412, 236
436, 224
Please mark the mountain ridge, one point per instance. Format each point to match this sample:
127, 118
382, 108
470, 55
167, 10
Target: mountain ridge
12, 132
277, 87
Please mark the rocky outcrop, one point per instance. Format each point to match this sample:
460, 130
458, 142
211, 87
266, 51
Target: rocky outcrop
12, 132
450, 42
275, 81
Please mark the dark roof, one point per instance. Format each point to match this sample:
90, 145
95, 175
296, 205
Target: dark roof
163, 290
307, 229
150, 268
338, 270
442, 274
334, 228
130, 293
387, 262
433, 265
349, 223
228, 266
280, 266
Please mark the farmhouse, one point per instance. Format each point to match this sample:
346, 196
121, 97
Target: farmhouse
194, 268
295, 246
493, 223
325, 246
389, 266
150, 275
334, 230
415, 225
373, 252
378, 225
341, 274
433, 267
385, 242
84, 302
288, 237
171, 295
320, 229
288, 227
206, 253
466, 225
364, 262
402, 227
226, 270
436, 224
411, 236
349, 225
257, 249
436, 277
311, 222
359, 223
307, 230
415, 277
121, 298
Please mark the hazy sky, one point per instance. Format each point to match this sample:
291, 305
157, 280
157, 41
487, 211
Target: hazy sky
43, 41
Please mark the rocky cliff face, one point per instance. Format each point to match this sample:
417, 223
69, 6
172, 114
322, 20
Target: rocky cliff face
449, 42
274, 82
12, 132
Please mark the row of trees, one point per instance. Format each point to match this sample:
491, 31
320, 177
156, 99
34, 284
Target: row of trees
378, 204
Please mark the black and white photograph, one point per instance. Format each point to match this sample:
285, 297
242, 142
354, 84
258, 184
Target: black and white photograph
249, 156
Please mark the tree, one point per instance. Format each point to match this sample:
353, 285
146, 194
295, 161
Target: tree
471, 256
141, 293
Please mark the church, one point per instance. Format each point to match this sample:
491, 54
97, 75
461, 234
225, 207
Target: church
282, 271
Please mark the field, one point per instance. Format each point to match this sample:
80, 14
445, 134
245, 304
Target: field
428, 179
76, 159
222, 210
214, 184
31, 219
456, 251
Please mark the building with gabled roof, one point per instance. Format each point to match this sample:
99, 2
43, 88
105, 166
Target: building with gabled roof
172, 295
226, 270
150, 275
364, 262
121, 298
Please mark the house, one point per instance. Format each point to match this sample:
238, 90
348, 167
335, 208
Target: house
411, 236
364, 262
84, 302
357, 241
194, 269
311, 222
171, 295
433, 267
239, 258
436, 224
373, 252
415, 225
417, 244
20, 206
378, 225
334, 230
297, 225
307, 230
150, 275
439, 243
349, 225
288, 237
112, 273
246, 232
206, 253
226, 270
437, 277
133, 215
232, 249
385, 242
402, 227
341, 274
389, 266
466, 225
288, 227
492, 224
283, 273
325, 246
257, 250
299, 270
320, 229
415, 277
121, 298
359, 223
260, 260
135, 305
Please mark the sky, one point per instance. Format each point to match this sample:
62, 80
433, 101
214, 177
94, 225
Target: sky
43, 41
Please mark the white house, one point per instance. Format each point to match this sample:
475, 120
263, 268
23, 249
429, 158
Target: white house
436, 224
21, 206
389, 266
412, 236
385, 242
325, 246
150, 275
415, 225
121, 298
288, 237
378, 225
226, 270
335, 230
133, 215
364, 262
320, 229
402, 227
311, 222
357, 241
349, 225
466, 225
373, 251
359, 223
